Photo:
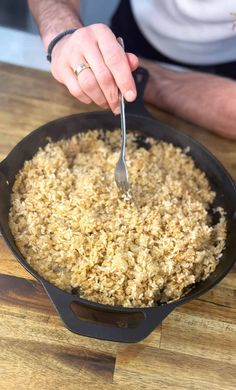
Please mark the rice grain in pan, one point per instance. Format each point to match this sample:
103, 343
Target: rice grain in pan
74, 228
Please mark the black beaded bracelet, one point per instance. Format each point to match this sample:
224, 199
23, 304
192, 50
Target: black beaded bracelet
56, 39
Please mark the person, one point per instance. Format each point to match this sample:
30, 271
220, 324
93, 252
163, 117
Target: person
196, 35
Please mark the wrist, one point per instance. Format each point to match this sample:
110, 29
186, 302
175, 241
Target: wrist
48, 37
166, 82
57, 40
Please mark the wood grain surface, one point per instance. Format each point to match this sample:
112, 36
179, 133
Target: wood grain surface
195, 346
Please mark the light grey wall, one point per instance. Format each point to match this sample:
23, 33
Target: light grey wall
97, 11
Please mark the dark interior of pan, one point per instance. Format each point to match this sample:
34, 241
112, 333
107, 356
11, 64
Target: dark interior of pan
97, 320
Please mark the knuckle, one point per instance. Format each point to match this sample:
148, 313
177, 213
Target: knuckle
113, 96
101, 27
112, 59
125, 84
87, 83
82, 33
99, 102
99, 99
83, 39
104, 76
86, 101
76, 92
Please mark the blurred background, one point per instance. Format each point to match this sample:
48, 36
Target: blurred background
19, 38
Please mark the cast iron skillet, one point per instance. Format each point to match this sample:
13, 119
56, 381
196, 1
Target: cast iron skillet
103, 321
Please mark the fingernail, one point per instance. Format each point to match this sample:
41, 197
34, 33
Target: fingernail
129, 96
117, 111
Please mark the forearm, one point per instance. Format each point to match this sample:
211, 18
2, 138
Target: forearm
55, 16
206, 100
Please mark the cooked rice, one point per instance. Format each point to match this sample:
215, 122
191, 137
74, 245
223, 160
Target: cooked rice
74, 228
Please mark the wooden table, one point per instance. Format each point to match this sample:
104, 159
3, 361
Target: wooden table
194, 348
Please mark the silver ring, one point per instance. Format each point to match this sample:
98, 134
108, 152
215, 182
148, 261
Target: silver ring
81, 67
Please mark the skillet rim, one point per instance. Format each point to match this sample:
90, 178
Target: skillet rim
23, 262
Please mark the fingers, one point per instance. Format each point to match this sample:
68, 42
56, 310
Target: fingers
104, 78
89, 85
72, 84
116, 60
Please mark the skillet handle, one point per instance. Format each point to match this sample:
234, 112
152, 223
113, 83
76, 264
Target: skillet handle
93, 320
137, 107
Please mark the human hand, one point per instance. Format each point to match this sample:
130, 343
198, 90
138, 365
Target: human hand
110, 67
